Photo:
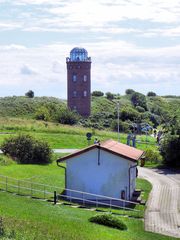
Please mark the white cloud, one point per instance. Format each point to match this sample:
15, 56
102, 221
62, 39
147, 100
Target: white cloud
27, 70
9, 26
12, 47
94, 15
115, 67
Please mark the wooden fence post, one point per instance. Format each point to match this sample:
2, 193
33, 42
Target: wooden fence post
55, 198
18, 187
44, 192
6, 184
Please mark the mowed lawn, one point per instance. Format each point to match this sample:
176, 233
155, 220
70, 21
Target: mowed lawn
37, 219
34, 219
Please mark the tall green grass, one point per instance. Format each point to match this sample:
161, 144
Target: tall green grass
63, 136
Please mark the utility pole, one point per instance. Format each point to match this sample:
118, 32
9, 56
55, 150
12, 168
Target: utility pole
118, 105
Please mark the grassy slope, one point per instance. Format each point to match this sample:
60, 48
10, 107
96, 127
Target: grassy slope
41, 220
25, 107
34, 219
60, 136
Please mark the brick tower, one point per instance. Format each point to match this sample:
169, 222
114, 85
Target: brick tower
79, 81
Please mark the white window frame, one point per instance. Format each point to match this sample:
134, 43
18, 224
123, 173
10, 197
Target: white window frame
85, 93
85, 78
74, 78
74, 93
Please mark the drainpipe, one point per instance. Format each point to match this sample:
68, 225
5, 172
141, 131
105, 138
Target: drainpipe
130, 179
99, 154
57, 161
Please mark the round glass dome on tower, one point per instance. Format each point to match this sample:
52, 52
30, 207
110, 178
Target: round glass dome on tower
78, 54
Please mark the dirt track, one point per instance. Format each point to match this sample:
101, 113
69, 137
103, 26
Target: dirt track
163, 207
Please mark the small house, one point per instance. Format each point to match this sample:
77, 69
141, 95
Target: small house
108, 169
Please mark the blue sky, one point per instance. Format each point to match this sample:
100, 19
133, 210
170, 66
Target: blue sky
132, 43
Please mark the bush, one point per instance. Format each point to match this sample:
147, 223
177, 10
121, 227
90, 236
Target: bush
151, 94
152, 156
110, 95
123, 126
140, 109
128, 113
138, 99
42, 113
108, 220
97, 93
129, 91
26, 149
170, 150
29, 94
66, 116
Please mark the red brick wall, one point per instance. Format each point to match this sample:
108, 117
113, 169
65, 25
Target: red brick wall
82, 103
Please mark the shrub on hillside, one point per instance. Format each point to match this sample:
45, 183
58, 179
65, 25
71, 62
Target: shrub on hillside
138, 99
97, 93
26, 149
123, 126
42, 113
151, 94
66, 116
140, 109
170, 150
155, 119
110, 95
29, 94
128, 113
109, 220
129, 91
152, 156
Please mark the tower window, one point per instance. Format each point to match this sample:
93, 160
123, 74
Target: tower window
74, 77
85, 93
74, 94
85, 78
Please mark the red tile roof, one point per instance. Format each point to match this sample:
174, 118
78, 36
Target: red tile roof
113, 147
122, 149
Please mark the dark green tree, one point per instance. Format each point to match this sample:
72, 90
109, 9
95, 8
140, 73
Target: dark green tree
97, 93
139, 99
129, 91
29, 94
170, 150
110, 95
151, 94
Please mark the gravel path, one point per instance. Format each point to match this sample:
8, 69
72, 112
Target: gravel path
163, 206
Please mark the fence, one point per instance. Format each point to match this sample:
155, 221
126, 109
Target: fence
53, 193
27, 188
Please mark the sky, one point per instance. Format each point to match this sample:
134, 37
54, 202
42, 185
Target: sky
132, 43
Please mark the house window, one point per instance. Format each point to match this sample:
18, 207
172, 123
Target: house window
85, 93
74, 94
85, 78
75, 108
74, 77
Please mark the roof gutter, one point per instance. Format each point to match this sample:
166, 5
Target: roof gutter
57, 161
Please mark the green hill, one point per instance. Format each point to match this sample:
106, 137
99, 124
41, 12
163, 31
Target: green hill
26, 107
154, 110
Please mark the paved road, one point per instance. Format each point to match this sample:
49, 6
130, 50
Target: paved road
163, 206
61, 150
